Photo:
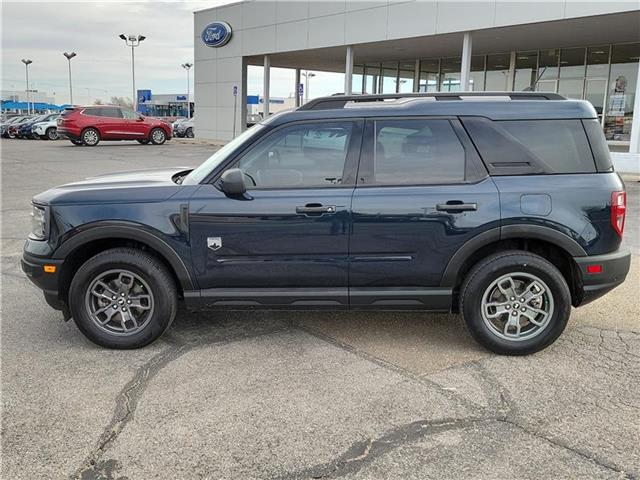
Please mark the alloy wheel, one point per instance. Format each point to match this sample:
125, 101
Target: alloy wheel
119, 302
517, 306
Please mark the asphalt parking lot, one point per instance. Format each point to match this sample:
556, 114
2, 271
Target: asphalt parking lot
245, 395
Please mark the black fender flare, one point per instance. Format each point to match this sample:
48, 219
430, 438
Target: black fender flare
107, 230
537, 232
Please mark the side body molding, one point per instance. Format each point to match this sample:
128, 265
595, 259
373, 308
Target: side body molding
118, 230
505, 232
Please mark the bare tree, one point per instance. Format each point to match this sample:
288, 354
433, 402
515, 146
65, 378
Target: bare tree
97, 101
122, 102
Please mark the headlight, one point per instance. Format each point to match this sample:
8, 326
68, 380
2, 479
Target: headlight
38, 222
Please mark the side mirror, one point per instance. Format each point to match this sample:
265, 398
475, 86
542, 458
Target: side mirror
232, 182
140, 118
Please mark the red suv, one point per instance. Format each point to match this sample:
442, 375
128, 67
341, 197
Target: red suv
89, 125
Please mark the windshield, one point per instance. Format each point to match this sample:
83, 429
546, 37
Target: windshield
200, 173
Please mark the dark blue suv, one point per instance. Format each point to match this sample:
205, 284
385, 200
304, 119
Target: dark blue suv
501, 206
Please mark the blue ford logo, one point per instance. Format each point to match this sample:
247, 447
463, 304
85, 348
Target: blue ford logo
216, 34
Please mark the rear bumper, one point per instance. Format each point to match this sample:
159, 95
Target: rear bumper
33, 267
590, 286
64, 133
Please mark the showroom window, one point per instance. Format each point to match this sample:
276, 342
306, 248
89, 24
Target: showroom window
621, 91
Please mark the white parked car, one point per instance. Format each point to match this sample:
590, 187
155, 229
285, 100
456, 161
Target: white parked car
184, 129
47, 130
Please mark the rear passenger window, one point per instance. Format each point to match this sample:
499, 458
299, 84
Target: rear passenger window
515, 147
417, 152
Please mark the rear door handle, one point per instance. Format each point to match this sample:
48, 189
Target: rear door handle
456, 206
316, 209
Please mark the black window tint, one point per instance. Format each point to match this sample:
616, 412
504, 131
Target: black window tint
111, 112
561, 144
417, 152
299, 156
598, 144
93, 111
521, 147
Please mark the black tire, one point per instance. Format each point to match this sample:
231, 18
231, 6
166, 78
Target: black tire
90, 137
160, 284
189, 133
483, 275
157, 136
143, 141
52, 133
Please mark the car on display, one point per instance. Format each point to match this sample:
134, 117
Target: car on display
4, 126
184, 129
253, 118
26, 128
14, 129
48, 129
503, 207
91, 124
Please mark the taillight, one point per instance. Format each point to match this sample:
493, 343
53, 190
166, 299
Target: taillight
618, 211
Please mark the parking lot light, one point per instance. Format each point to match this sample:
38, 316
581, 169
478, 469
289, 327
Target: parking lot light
27, 62
133, 41
69, 57
187, 66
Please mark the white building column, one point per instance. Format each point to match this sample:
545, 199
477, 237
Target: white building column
465, 67
416, 76
296, 90
348, 71
265, 85
634, 144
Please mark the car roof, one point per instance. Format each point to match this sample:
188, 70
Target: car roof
492, 105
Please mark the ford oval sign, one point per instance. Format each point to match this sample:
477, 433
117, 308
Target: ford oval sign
216, 34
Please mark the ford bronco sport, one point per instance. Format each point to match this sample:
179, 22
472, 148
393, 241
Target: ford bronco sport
501, 206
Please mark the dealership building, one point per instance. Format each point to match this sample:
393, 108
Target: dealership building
584, 50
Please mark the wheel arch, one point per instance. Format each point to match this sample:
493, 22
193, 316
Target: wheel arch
553, 245
82, 246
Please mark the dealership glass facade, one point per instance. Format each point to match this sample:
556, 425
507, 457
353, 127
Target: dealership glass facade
605, 75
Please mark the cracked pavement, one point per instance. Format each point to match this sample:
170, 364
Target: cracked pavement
297, 395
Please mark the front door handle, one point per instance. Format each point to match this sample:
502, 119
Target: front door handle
454, 206
316, 209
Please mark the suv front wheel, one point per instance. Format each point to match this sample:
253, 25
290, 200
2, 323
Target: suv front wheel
123, 298
157, 136
515, 303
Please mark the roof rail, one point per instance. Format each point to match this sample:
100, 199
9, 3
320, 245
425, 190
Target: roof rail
339, 101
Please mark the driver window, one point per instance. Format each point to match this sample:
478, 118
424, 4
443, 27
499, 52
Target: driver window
300, 156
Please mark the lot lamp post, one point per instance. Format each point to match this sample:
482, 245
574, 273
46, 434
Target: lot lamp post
133, 41
307, 76
27, 62
187, 66
69, 57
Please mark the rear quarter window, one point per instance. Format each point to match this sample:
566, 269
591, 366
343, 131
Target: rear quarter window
515, 147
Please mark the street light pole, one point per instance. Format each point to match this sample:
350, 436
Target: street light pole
187, 67
307, 76
69, 57
133, 41
27, 62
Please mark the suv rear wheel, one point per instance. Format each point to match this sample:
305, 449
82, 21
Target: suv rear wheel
90, 137
157, 136
515, 303
123, 298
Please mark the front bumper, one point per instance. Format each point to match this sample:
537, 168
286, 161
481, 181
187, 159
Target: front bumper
49, 283
610, 270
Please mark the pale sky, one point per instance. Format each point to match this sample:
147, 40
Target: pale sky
42, 31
